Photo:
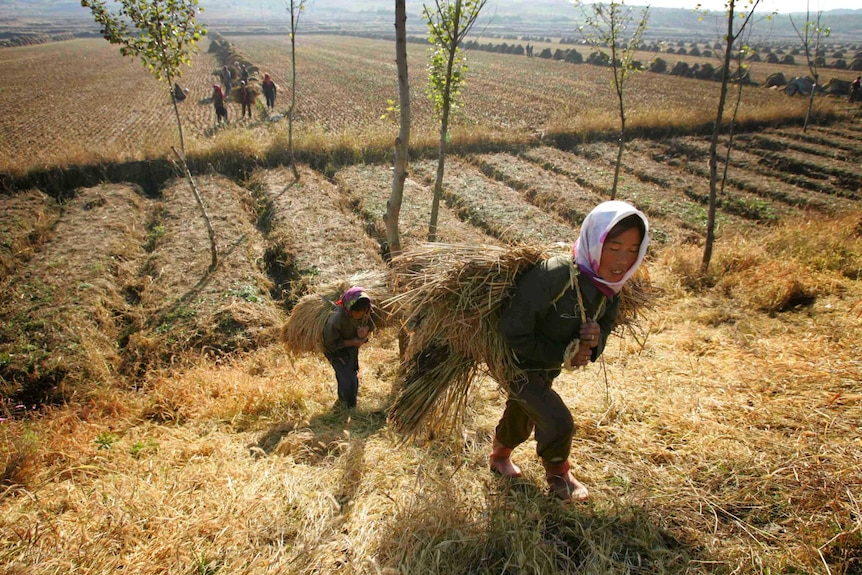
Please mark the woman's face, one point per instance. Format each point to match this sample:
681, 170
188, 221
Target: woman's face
619, 255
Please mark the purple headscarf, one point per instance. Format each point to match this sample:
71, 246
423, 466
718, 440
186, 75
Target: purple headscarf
351, 296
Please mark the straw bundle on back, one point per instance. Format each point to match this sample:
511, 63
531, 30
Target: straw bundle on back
450, 297
303, 330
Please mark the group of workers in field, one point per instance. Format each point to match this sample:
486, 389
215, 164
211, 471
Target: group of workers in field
246, 93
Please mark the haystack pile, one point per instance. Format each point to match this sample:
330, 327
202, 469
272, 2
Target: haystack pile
303, 330
450, 298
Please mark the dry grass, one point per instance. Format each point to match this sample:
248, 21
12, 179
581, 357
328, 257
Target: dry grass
728, 444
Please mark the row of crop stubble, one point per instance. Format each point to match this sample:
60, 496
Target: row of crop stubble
80, 101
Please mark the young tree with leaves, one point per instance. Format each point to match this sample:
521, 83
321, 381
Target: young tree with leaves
604, 28
448, 24
811, 35
402, 142
163, 34
731, 35
296, 8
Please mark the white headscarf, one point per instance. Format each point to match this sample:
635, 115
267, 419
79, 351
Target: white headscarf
594, 232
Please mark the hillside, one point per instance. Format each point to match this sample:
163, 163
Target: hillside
152, 422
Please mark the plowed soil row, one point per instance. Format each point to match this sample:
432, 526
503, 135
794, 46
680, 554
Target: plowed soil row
27, 217
368, 188
493, 207
556, 190
186, 304
64, 310
801, 170
661, 191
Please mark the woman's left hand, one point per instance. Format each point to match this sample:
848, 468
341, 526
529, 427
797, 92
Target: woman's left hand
590, 333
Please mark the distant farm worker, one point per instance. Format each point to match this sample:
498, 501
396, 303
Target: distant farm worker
226, 79
246, 98
269, 90
179, 93
218, 104
347, 328
856, 89
243, 73
560, 315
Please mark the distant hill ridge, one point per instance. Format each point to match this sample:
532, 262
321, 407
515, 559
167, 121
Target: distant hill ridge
552, 18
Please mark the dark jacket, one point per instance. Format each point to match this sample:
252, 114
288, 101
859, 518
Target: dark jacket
340, 327
539, 329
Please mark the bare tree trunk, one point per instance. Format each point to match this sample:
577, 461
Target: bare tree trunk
177, 113
619, 152
810, 103
441, 159
402, 143
713, 144
292, 91
444, 124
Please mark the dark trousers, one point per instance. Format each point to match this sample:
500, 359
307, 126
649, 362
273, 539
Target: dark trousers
535, 406
270, 100
244, 108
345, 362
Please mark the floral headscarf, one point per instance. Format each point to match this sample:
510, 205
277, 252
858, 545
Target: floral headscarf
351, 296
594, 231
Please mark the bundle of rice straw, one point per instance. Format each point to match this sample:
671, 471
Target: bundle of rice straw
303, 330
450, 298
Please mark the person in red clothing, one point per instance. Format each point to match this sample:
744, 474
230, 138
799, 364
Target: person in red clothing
855, 90
246, 98
218, 104
269, 91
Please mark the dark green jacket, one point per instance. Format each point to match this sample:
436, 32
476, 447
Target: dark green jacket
539, 329
340, 327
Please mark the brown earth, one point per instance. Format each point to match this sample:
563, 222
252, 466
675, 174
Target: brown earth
151, 297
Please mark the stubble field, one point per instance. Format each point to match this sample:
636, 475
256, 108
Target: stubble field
723, 439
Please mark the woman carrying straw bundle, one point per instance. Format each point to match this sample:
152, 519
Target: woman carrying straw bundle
560, 315
347, 328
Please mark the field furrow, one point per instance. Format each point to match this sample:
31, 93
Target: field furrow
493, 207
560, 193
800, 170
368, 189
661, 193
314, 237
839, 143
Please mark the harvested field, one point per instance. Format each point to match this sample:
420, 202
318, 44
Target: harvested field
368, 188
343, 86
151, 421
